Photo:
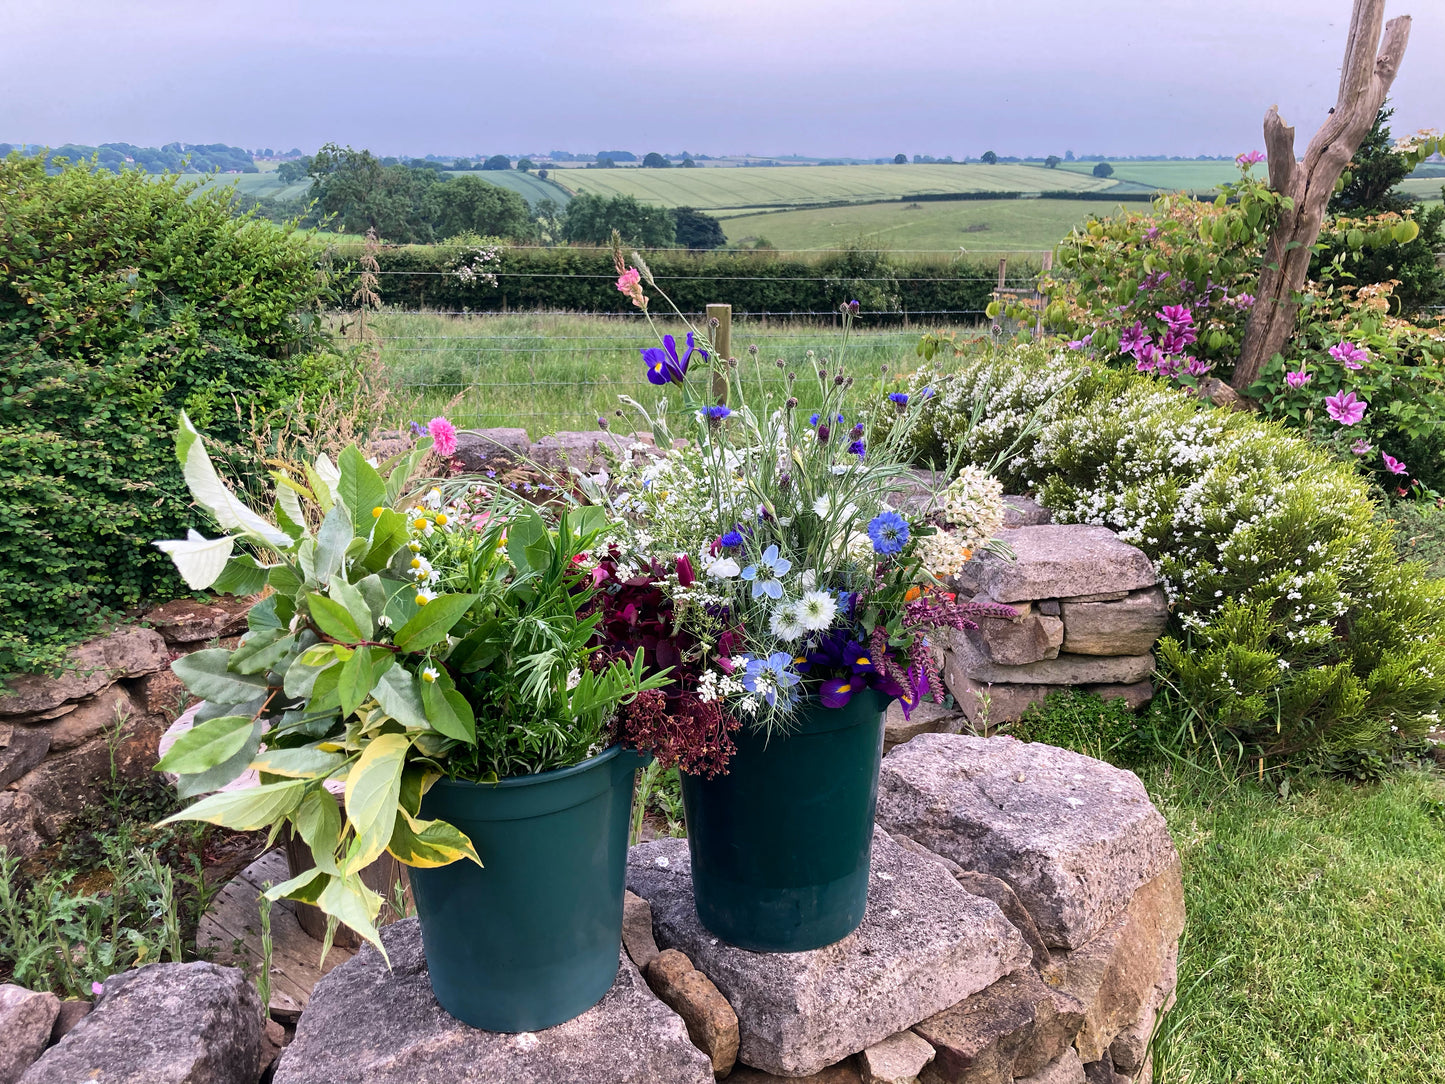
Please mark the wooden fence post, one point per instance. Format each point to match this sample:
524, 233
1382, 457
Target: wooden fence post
1002, 272
721, 337
1044, 269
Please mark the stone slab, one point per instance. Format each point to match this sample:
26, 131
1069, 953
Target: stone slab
637, 937
21, 748
1074, 837
898, 1059
187, 621
1059, 560
1065, 1069
89, 667
1030, 638
711, 1023
27, 1018
924, 944
1136, 695
162, 1024
1024, 512
986, 705
1128, 626
966, 660
370, 1025
926, 718
492, 449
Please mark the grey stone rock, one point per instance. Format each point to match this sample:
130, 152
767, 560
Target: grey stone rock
366, 1024
1117, 972
1104, 1072
72, 1012
1126, 627
93, 716
1102, 596
1049, 607
926, 718
20, 824
711, 1023
990, 888
492, 449
163, 1024
1065, 1069
1024, 512
1062, 560
186, 621
1015, 1027
844, 1072
1075, 838
966, 660
21, 748
637, 936
898, 1059
1135, 695
89, 668
987, 704
924, 944
1032, 638
26, 1020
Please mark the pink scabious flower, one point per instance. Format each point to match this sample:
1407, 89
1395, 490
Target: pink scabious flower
444, 433
1349, 355
1393, 465
1345, 407
1249, 158
1361, 447
1298, 379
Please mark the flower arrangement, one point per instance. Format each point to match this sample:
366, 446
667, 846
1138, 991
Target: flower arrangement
457, 638
786, 552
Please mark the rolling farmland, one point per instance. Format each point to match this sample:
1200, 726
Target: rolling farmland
791, 186
527, 185
1195, 176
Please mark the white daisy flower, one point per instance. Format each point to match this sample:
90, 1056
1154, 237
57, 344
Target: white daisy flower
429, 674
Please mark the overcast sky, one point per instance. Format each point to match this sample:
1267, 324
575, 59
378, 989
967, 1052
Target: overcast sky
846, 77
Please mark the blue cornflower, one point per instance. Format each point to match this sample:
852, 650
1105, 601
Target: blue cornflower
889, 532
771, 677
765, 575
715, 415
813, 418
927, 392
858, 448
731, 540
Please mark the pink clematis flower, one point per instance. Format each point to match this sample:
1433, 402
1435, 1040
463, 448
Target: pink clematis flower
1297, 380
1393, 465
1361, 447
444, 433
1249, 158
1345, 407
1349, 355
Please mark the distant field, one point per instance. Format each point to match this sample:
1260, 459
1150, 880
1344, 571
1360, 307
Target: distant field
1013, 225
1193, 176
527, 185
785, 186
1423, 188
266, 184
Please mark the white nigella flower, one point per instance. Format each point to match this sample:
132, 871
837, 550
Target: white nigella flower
822, 507
434, 498
786, 623
816, 610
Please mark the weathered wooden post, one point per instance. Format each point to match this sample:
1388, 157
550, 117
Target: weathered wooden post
1365, 79
722, 341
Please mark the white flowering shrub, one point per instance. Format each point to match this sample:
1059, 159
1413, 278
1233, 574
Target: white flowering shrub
1296, 625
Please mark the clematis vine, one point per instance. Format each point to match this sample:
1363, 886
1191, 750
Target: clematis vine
1349, 355
1345, 407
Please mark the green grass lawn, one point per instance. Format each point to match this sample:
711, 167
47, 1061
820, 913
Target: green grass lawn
546, 373
1198, 176
784, 186
1017, 225
1315, 946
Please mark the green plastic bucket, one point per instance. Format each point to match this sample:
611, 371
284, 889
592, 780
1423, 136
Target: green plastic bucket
530, 940
781, 844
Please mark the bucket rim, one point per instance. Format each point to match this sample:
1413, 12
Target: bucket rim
515, 782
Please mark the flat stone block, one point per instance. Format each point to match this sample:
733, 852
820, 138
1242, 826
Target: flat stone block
1128, 626
966, 660
1024, 512
844, 1072
987, 704
1135, 695
492, 449
924, 944
368, 1025
27, 1018
1065, 1069
1074, 837
90, 667
898, 1059
926, 718
1060, 560
637, 930
1031, 638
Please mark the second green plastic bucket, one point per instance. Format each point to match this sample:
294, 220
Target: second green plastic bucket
781, 844
531, 939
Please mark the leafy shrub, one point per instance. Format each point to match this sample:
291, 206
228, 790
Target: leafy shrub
1295, 624
1072, 719
124, 301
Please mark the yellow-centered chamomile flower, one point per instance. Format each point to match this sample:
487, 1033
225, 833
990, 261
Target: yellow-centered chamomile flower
429, 674
423, 596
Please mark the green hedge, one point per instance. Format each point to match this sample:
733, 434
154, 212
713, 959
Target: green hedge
583, 280
121, 302
1296, 626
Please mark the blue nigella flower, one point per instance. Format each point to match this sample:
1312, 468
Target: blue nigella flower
771, 677
889, 532
765, 575
663, 364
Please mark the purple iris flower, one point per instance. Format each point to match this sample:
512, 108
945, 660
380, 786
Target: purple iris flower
663, 364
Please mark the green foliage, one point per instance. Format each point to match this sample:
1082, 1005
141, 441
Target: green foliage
295, 171
1072, 719
1374, 171
1365, 249
172, 158
1296, 627
497, 162
694, 229
394, 648
1052, 161
592, 218
653, 160
568, 279
1103, 169
471, 205
124, 301
989, 158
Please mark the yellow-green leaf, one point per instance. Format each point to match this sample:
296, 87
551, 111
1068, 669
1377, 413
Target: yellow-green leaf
429, 843
372, 790
354, 905
246, 810
333, 619
306, 762
356, 681
319, 823
206, 744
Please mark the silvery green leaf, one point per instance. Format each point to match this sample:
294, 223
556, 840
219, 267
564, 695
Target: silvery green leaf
199, 560
212, 494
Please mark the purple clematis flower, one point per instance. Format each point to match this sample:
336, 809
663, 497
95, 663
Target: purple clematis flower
1345, 407
1249, 158
663, 364
1349, 355
1133, 339
1393, 465
1176, 315
1297, 380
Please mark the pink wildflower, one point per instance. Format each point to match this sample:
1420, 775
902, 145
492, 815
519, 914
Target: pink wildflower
1298, 380
1176, 316
1195, 367
1345, 407
444, 433
1242, 301
1393, 465
629, 283
1349, 355
1361, 447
